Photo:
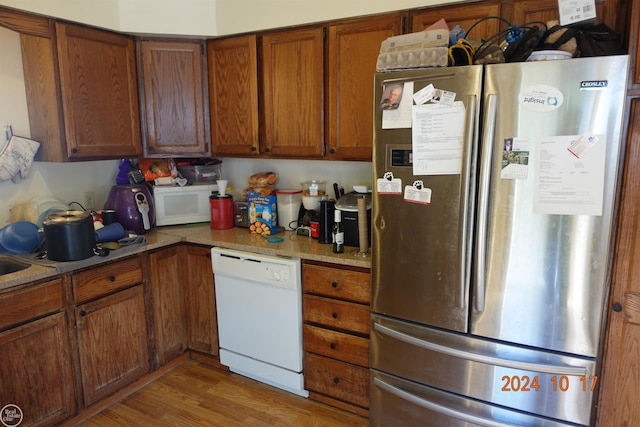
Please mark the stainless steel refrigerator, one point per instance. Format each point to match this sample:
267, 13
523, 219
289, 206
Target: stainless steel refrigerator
493, 204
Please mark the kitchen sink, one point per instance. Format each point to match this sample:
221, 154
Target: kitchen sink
8, 266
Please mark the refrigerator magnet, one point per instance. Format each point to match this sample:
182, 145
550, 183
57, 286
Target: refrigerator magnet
417, 193
515, 158
388, 184
541, 98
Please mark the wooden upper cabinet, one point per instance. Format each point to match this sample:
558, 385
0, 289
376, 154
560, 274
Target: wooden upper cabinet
353, 53
174, 98
525, 11
99, 93
465, 15
293, 93
233, 95
634, 43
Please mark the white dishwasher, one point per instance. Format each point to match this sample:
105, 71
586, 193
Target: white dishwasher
259, 305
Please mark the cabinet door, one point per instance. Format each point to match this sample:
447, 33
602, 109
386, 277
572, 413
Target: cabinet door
353, 53
233, 95
620, 379
293, 93
525, 11
173, 99
99, 93
168, 304
112, 342
202, 322
464, 15
36, 373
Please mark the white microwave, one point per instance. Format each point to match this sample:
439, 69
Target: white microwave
182, 205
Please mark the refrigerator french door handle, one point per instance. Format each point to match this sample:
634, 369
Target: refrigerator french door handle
576, 371
488, 137
464, 202
438, 408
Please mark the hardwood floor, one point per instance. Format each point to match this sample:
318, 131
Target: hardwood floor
195, 394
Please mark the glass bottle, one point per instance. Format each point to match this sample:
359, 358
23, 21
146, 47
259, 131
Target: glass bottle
338, 233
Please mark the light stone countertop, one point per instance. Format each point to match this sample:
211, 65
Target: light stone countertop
293, 246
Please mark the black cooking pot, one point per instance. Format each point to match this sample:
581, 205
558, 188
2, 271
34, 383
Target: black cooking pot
69, 236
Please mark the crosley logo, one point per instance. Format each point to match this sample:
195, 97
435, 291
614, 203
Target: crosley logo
593, 84
11, 415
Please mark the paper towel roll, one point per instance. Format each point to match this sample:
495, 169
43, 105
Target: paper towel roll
363, 227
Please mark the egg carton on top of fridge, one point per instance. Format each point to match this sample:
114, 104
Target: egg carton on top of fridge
422, 49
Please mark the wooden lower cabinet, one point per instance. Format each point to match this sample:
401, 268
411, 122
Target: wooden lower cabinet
167, 283
336, 329
36, 373
111, 327
198, 283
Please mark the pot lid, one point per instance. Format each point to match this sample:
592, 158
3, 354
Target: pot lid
65, 217
349, 201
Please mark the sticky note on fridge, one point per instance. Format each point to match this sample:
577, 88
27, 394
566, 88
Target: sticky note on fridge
388, 184
424, 95
417, 193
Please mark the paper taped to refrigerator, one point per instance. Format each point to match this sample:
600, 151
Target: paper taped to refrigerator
564, 184
437, 133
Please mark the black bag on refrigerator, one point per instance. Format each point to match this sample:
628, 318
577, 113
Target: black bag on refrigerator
592, 40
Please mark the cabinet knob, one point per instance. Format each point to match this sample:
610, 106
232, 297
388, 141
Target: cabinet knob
334, 284
334, 315
617, 307
152, 149
332, 150
83, 313
74, 150
336, 380
253, 148
112, 278
333, 346
267, 149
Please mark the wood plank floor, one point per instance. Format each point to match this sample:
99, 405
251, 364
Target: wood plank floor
195, 394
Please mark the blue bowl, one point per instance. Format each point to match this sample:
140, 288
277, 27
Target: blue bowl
19, 237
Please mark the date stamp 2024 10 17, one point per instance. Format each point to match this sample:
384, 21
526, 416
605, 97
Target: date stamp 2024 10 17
562, 383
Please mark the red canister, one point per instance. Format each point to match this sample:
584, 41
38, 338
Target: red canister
221, 211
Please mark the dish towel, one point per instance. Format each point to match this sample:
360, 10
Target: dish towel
16, 158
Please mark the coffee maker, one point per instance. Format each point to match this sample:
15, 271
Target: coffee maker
313, 192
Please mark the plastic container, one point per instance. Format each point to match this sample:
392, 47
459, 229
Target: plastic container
289, 202
19, 237
313, 192
548, 55
202, 174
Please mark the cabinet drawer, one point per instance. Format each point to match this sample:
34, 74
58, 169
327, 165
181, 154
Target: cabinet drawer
337, 345
337, 379
30, 303
104, 280
337, 283
336, 314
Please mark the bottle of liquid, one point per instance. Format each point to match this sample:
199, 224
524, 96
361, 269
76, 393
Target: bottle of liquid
338, 233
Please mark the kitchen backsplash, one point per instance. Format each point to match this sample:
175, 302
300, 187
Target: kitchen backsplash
70, 181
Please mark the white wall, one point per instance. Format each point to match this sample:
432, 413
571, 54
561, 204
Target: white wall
208, 17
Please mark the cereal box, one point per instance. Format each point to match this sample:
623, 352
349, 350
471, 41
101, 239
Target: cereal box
263, 216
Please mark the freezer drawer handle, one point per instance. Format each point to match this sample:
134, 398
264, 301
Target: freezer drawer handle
577, 371
438, 408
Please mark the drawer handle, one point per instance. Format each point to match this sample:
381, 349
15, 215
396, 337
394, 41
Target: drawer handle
333, 346
334, 284
334, 315
336, 380
83, 313
112, 278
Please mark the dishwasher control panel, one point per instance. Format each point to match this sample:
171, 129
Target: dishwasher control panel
266, 269
277, 274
